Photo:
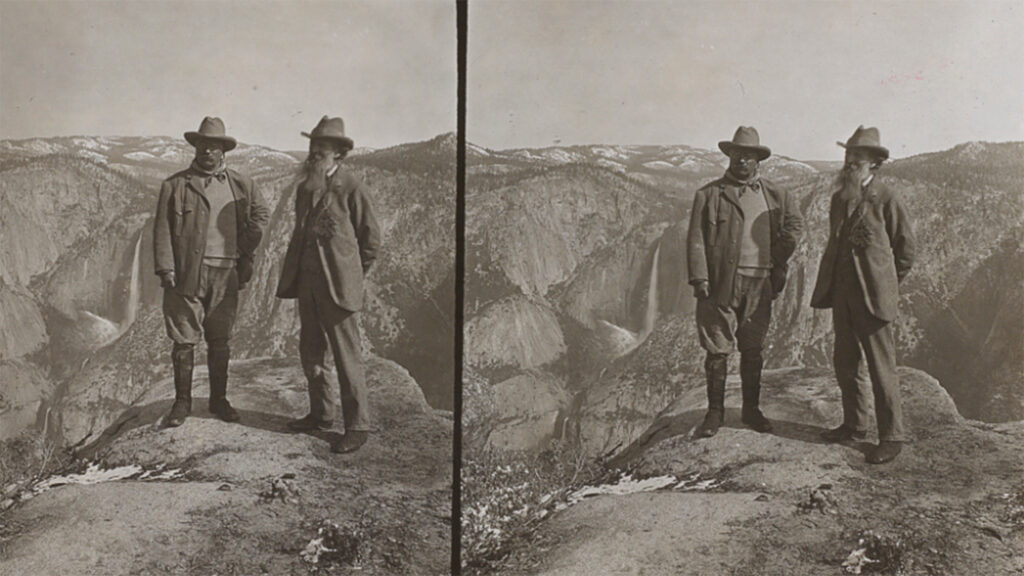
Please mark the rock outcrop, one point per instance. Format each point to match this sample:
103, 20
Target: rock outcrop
788, 503
250, 498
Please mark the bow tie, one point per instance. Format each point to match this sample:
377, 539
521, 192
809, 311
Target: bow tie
220, 176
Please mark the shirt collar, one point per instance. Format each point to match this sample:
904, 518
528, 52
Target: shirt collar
752, 182
332, 171
867, 181
220, 172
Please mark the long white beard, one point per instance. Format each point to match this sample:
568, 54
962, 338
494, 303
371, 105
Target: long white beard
848, 182
314, 172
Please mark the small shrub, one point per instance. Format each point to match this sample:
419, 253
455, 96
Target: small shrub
506, 493
28, 457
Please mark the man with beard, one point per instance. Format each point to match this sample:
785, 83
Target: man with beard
333, 245
209, 220
742, 232
870, 250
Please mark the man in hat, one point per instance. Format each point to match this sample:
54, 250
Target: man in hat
209, 220
870, 250
743, 229
334, 243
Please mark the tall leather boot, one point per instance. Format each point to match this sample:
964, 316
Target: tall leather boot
182, 358
750, 377
217, 357
715, 369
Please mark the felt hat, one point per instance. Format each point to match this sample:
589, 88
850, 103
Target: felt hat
330, 128
745, 138
867, 139
212, 128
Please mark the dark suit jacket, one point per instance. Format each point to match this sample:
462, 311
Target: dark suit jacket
713, 240
182, 216
347, 238
885, 258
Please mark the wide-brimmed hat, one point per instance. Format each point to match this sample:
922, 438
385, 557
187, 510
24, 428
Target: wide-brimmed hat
867, 139
332, 129
745, 138
211, 128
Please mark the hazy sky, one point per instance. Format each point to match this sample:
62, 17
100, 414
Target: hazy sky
270, 69
929, 74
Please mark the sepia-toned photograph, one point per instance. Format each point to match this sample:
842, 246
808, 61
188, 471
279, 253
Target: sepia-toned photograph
227, 287
744, 288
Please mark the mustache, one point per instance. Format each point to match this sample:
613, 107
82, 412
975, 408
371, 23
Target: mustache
847, 181
314, 168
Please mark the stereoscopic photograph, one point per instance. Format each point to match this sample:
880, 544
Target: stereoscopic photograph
744, 288
227, 287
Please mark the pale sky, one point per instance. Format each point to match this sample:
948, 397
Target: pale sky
269, 69
928, 74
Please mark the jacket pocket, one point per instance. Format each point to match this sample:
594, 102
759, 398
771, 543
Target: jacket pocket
179, 221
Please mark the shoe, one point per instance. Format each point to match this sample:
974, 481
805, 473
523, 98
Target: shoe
308, 423
179, 411
350, 442
223, 410
886, 451
709, 427
755, 419
842, 434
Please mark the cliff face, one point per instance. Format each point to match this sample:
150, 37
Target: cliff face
23, 330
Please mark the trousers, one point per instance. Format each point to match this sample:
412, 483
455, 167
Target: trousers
323, 323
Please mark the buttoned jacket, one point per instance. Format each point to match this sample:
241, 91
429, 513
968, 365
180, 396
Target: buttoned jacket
339, 221
882, 245
182, 218
714, 237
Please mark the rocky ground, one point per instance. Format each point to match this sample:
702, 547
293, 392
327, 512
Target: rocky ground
786, 503
248, 498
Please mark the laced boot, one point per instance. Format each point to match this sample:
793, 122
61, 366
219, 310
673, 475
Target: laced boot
217, 361
715, 368
750, 377
182, 358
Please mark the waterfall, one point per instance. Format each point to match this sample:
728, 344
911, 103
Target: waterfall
134, 290
651, 314
93, 331
621, 341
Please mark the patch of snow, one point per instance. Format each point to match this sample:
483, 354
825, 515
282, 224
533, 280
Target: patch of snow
613, 152
658, 165
559, 155
40, 146
629, 485
90, 143
610, 164
477, 149
92, 155
140, 156
95, 475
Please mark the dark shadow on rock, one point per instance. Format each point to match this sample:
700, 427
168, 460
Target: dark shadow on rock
680, 424
155, 413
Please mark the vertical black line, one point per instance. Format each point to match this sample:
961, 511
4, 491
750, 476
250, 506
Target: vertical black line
461, 8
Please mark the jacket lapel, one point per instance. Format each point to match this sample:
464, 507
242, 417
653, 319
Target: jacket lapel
197, 183
729, 193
